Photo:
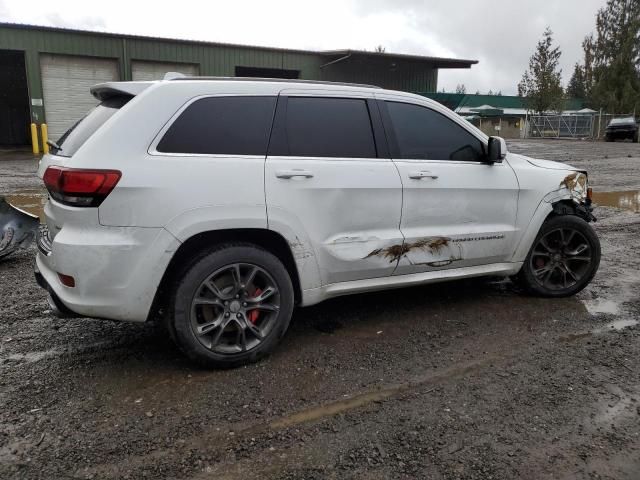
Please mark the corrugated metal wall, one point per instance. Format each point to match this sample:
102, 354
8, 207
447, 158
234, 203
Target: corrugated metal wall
384, 72
221, 60
212, 59
36, 41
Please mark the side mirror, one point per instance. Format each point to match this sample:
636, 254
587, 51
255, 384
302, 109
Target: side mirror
497, 149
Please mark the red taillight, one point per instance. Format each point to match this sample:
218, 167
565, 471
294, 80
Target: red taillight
79, 187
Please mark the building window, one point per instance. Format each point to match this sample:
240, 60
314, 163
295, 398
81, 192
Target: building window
266, 72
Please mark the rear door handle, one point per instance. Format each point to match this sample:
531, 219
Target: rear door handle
287, 174
422, 174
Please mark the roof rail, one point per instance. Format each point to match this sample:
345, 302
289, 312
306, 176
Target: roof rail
279, 80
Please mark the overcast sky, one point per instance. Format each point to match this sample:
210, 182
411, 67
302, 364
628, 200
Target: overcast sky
501, 34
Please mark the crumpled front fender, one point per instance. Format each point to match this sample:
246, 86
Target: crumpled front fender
17, 228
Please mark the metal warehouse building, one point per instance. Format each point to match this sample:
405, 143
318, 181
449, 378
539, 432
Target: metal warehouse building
45, 72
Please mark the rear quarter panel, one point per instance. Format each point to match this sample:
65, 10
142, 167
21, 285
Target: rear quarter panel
157, 189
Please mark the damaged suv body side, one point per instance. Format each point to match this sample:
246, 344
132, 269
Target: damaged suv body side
223, 203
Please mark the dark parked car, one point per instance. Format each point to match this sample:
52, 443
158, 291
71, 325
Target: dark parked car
622, 128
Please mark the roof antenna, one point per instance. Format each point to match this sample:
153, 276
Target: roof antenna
173, 75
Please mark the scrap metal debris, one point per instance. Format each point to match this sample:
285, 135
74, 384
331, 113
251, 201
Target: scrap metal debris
17, 228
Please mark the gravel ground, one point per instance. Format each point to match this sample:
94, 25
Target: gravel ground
466, 380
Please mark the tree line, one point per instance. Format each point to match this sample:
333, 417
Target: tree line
608, 76
460, 88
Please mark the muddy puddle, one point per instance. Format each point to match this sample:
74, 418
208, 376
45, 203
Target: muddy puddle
616, 325
626, 200
30, 200
601, 305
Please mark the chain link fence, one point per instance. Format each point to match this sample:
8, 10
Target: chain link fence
561, 126
588, 125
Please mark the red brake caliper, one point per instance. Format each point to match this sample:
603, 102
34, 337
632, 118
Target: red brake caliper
254, 314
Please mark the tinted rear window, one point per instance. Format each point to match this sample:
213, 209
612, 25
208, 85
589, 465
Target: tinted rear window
79, 133
329, 127
221, 125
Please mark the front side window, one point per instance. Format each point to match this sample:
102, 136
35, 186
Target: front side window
221, 125
422, 133
329, 127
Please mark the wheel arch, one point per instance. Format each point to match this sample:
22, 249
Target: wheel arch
267, 239
545, 211
571, 207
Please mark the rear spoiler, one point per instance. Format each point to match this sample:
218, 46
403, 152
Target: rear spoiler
103, 91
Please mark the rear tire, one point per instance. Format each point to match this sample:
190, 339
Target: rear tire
231, 305
563, 258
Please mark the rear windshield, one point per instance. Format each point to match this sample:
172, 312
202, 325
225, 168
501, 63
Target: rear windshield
74, 138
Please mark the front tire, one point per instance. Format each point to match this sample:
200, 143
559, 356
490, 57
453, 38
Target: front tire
563, 258
231, 305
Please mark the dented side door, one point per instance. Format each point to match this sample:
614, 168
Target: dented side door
339, 208
456, 213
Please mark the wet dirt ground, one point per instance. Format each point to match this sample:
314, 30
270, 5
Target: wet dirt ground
460, 380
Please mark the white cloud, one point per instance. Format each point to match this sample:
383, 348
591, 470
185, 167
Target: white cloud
500, 33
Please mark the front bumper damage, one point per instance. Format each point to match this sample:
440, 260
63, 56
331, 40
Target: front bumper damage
576, 183
17, 228
582, 209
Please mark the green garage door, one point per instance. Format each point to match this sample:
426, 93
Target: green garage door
65, 82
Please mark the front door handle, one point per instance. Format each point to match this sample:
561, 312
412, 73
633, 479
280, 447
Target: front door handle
287, 174
422, 174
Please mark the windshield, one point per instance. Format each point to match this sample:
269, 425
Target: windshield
74, 138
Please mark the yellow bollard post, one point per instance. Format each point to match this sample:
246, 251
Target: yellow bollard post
34, 139
45, 138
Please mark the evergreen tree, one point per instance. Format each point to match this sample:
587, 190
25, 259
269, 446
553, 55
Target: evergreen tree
614, 58
589, 48
540, 85
460, 88
577, 86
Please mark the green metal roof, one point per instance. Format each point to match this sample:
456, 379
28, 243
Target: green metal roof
458, 100
488, 111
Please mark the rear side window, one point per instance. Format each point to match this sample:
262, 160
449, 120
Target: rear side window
329, 127
221, 125
422, 133
79, 133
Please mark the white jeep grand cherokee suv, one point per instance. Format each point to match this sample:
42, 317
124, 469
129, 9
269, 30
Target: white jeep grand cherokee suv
221, 204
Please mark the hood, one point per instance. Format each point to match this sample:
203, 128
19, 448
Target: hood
549, 164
